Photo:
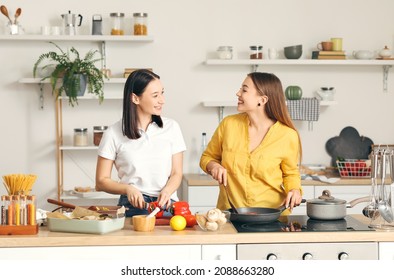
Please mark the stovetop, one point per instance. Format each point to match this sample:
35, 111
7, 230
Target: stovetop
302, 223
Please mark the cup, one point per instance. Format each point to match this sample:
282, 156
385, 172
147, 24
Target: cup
273, 53
336, 44
143, 223
325, 46
45, 30
55, 30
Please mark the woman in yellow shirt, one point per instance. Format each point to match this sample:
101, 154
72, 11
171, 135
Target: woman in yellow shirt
255, 154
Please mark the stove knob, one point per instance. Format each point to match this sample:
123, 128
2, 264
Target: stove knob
307, 256
271, 257
343, 256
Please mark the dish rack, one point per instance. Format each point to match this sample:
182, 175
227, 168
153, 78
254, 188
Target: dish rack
354, 168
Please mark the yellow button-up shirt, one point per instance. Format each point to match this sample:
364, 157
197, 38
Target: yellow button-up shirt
261, 178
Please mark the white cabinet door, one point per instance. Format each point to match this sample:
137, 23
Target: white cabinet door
347, 193
143, 252
219, 252
386, 250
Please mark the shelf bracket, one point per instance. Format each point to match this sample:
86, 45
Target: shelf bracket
221, 110
385, 76
41, 98
254, 67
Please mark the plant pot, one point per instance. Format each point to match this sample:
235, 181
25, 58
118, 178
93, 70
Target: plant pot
75, 80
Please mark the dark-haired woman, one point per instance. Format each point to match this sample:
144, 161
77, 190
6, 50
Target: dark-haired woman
255, 154
145, 148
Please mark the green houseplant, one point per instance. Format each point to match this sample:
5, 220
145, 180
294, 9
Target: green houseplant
75, 73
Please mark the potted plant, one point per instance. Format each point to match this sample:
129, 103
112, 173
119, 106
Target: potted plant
76, 73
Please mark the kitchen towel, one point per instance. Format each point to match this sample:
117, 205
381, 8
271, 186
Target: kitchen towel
305, 109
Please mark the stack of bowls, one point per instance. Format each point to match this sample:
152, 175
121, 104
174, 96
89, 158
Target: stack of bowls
293, 52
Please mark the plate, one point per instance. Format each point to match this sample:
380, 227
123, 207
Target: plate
85, 226
84, 194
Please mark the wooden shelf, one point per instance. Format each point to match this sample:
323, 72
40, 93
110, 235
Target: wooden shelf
86, 38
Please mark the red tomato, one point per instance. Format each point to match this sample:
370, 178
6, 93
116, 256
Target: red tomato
190, 220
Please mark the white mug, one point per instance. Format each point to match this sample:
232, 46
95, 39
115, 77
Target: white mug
272, 53
55, 30
45, 30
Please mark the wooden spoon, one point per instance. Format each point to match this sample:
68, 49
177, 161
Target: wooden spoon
17, 14
4, 11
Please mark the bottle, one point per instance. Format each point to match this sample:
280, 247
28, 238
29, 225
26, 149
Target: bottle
203, 147
31, 209
3, 217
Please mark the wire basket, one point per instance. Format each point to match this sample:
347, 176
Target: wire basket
354, 168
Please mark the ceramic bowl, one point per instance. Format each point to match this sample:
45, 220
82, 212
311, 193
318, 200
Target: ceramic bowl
293, 52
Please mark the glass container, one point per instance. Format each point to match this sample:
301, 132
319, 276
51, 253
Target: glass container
98, 134
80, 136
117, 23
256, 52
225, 52
140, 23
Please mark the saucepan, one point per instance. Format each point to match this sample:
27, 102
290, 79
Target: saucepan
327, 207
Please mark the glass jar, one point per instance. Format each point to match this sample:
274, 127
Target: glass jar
225, 52
80, 136
256, 52
98, 134
140, 23
117, 23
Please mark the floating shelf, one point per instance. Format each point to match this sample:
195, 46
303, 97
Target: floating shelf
90, 38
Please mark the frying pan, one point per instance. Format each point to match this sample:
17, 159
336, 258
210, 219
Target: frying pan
257, 214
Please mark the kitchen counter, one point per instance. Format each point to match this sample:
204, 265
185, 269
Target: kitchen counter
163, 235
206, 180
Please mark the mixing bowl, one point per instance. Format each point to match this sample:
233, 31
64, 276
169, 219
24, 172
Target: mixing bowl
293, 52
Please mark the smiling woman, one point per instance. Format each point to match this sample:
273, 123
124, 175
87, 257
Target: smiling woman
145, 148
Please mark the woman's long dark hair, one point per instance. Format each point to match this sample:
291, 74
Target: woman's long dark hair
136, 83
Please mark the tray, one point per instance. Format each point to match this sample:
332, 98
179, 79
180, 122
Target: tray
85, 226
19, 230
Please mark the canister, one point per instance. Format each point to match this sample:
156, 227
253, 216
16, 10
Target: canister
256, 52
117, 23
98, 134
225, 52
140, 23
80, 136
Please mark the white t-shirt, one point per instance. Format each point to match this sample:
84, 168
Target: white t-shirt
145, 162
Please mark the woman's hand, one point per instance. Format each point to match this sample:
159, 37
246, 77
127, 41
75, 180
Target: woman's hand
135, 197
218, 172
164, 199
293, 198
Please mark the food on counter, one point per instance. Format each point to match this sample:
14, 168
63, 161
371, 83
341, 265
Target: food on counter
211, 220
190, 220
152, 206
83, 189
178, 222
180, 208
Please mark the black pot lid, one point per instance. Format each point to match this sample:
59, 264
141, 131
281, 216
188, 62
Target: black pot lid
326, 199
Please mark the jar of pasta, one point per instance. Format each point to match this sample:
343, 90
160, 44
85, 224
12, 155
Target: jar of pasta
140, 23
117, 23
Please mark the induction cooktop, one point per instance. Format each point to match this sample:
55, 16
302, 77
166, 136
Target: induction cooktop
302, 223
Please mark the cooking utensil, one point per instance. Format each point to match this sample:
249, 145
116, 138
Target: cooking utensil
154, 212
371, 210
383, 205
17, 14
326, 207
233, 208
4, 11
100, 209
257, 214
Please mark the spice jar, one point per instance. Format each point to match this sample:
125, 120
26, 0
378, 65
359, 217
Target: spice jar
225, 52
117, 20
140, 23
80, 136
256, 52
98, 134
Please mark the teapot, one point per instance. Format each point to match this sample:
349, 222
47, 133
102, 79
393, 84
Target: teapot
385, 52
69, 23
326, 93
363, 54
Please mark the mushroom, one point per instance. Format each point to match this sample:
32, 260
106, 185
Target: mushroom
213, 226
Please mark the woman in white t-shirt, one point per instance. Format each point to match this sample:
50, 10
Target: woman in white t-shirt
145, 148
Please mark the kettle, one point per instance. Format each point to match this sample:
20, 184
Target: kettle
69, 23
326, 93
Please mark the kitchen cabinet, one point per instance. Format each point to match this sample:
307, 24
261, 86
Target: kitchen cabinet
222, 252
62, 145
386, 250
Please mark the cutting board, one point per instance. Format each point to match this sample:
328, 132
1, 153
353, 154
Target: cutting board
349, 145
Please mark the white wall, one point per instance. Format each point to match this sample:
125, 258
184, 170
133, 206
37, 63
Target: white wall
185, 34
